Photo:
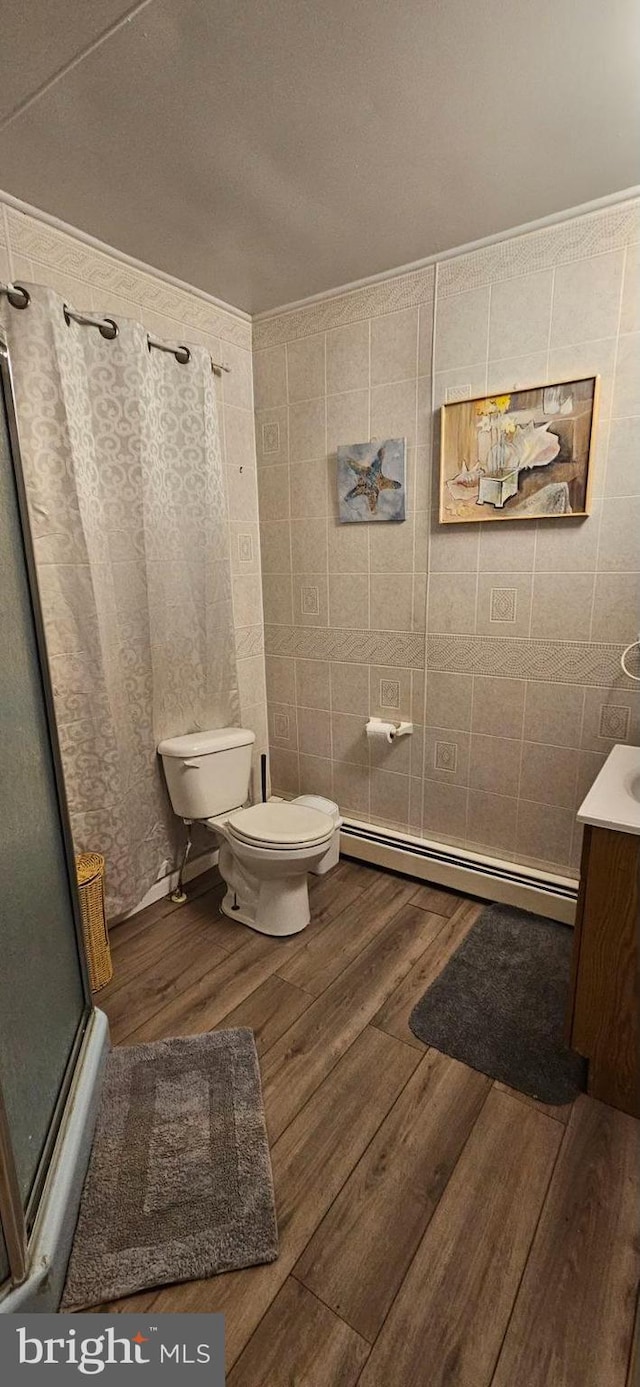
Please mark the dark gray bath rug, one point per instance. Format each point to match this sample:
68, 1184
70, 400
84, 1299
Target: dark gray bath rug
179, 1183
499, 1005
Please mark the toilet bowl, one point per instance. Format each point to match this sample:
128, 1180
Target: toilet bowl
266, 853
266, 850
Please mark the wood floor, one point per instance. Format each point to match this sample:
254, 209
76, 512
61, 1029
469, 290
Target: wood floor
435, 1227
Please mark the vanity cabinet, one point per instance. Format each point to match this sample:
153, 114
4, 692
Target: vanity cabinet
602, 1022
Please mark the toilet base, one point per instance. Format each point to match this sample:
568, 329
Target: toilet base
281, 907
235, 912
267, 887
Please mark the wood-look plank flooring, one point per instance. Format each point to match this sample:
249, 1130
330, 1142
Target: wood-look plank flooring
435, 1227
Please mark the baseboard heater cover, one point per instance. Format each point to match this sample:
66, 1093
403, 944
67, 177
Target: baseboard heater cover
490, 878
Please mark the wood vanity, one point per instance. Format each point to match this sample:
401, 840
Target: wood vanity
602, 1022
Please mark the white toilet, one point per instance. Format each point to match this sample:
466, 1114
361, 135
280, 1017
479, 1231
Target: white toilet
267, 849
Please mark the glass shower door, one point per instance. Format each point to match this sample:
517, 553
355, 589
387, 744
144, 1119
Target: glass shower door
44, 996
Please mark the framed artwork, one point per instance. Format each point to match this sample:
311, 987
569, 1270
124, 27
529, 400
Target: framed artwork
371, 480
519, 456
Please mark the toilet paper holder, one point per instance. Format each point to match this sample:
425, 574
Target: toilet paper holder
376, 726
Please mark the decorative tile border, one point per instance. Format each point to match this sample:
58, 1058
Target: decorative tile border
572, 662
553, 662
249, 641
593, 233
61, 251
372, 301
383, 648
590, 234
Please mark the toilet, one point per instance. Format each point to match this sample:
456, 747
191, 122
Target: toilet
266, 850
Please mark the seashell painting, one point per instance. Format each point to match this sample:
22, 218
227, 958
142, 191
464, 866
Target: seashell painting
525, 454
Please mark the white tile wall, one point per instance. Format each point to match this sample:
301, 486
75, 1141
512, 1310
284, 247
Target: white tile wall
503, 766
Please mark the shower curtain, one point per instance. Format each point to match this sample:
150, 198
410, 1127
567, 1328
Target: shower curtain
121, 453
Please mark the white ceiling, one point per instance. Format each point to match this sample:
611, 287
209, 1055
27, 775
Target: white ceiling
270, 149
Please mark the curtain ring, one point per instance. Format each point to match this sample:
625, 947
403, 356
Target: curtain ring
108, 329
18, 296
181, 354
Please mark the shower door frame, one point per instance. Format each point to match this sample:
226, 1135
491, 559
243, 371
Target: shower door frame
17, 1219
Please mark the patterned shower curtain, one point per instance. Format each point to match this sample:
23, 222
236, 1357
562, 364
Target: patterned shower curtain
121, 453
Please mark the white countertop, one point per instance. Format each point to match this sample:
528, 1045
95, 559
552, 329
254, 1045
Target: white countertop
614, 798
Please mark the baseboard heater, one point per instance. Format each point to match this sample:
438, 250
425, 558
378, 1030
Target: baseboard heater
460, 870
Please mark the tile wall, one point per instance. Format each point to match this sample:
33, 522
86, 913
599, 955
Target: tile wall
92, 278
503, 648
502, 643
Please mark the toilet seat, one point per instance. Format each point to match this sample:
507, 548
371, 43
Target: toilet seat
283, 826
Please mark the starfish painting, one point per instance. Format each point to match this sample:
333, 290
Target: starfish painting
361, 502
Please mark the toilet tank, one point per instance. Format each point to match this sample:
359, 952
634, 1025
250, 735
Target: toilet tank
208, 773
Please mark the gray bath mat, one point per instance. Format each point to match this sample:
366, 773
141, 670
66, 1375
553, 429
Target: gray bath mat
499, 1005
179, 1182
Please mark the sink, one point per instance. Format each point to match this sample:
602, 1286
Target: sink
614, 798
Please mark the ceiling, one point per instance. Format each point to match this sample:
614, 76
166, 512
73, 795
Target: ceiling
271, 149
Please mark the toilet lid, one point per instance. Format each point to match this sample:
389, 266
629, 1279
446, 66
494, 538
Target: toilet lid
281, 825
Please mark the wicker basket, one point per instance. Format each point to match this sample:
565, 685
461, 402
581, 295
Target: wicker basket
90, 870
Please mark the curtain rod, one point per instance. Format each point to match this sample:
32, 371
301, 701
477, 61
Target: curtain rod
19, 297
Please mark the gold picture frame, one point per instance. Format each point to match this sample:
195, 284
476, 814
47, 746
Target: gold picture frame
521, 454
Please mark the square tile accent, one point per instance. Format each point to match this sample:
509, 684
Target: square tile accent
271, 437
445, 757
389, 693
614, 722
504, 604
245, 548
506, 620
309, 601
454, 393
281, 726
